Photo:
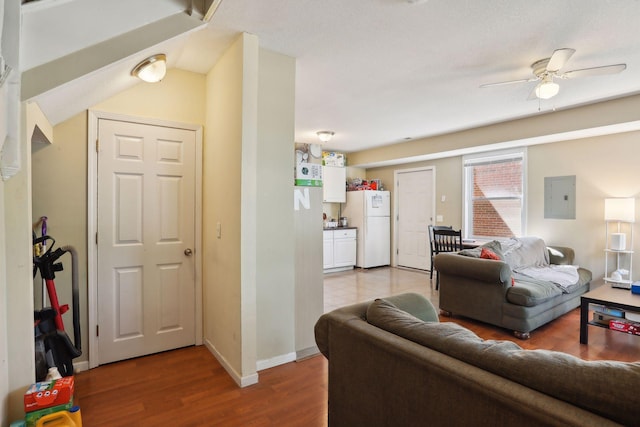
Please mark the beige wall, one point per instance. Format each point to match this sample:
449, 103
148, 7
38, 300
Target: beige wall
179, 97
275, 282
249, 286
59, 170
550, 126
224, 296
604, 166
16, 282
59, 173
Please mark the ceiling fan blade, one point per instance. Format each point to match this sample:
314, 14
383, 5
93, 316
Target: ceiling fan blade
559, 58
533, 79
595, 71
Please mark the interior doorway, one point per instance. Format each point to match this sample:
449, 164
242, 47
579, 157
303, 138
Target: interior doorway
144, 237
415, 210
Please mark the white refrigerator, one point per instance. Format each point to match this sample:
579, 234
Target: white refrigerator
369, 211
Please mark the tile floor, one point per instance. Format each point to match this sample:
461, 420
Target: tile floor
359, 285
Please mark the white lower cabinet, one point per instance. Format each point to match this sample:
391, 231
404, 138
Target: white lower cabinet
327, 249
339, 248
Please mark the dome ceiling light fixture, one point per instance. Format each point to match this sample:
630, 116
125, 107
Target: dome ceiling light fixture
325, 135
152, 69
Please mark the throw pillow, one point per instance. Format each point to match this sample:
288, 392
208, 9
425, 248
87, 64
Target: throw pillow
488, 254
494, 246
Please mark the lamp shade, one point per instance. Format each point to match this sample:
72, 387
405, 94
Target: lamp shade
620, 209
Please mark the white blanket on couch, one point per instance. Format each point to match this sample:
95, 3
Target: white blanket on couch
564, 276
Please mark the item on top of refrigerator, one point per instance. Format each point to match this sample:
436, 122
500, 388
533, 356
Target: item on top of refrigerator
331, 158
359, 184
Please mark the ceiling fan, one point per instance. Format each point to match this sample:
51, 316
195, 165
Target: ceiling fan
547, 69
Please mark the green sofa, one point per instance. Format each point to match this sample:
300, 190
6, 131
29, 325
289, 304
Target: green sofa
493, 292
392, 364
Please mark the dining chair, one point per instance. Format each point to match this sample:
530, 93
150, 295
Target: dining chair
431, 244
447, 240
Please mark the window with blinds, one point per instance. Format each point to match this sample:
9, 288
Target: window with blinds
494, 189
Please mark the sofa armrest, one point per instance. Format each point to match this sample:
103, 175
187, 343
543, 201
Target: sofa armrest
415, 304
480, 269
561, 255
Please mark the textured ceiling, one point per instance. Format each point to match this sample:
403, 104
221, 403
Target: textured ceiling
378, 72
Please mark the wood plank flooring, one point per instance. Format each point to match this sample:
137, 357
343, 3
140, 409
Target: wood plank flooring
188, 387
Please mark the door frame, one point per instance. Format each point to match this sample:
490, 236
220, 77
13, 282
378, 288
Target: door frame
396, 201
92, 221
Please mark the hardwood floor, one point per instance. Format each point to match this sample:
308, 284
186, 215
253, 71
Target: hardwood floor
188, 387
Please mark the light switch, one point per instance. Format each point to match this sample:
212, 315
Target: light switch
439, 218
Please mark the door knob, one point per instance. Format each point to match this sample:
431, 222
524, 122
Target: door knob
188, 252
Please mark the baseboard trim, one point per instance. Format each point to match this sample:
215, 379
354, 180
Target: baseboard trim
307, 352
263, 364
239, 379
80, 366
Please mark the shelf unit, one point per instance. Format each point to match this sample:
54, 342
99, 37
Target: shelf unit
632, 323
616, 259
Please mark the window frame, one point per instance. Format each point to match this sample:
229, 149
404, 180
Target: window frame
470, 160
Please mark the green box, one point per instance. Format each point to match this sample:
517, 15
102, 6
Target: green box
31, 418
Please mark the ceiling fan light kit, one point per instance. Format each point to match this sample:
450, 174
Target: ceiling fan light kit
547, 89
545, 70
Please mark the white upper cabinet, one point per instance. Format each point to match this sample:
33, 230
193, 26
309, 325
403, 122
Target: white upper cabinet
334, 184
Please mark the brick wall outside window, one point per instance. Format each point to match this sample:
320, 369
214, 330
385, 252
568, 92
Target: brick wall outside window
497, 199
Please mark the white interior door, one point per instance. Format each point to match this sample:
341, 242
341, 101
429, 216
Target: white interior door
415, 213
146, 219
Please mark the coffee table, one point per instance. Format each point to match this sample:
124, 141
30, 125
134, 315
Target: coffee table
621, 299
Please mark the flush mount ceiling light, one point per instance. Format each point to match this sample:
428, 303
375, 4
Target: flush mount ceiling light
152, 69
547, 88
325, 135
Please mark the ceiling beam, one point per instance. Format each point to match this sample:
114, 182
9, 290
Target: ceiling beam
45, 77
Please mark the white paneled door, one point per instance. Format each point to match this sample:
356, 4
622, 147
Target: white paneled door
146, 218
415, 213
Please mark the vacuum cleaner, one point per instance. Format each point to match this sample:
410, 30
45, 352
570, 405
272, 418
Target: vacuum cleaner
54, 348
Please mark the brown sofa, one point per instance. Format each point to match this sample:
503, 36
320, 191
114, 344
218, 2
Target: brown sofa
391, 368
493, 292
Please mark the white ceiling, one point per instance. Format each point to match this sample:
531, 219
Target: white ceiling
375, 72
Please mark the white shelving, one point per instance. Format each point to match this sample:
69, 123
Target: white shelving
619, 258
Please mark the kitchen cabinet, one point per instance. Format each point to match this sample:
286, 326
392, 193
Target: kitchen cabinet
339, 249
327, 249
334, 180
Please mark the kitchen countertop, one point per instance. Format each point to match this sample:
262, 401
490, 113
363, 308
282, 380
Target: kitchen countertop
339, 228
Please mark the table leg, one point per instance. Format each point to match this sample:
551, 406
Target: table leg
584, 321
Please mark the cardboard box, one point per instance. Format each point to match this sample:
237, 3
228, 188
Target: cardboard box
331, 158
603, 318
309, 175
48, 393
